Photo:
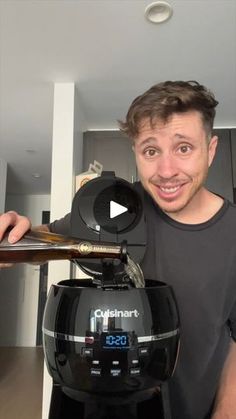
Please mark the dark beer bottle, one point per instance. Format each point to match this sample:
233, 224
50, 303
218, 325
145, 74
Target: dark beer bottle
39, 246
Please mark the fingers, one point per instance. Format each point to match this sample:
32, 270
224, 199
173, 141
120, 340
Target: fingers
5, 265
22, 225
6, 220
19, 223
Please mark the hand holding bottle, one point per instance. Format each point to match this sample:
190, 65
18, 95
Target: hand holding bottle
19, 224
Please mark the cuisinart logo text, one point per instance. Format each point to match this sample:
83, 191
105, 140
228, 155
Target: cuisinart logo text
116, 313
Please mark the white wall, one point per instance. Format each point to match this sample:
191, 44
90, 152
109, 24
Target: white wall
67, 146
30, 205
20, 284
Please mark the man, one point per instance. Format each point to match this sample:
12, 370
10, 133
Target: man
191, 240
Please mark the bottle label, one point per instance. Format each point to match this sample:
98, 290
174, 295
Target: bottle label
85, 248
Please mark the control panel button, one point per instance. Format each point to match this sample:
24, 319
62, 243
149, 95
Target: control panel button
134, 371
95, 372
87, 352
143, 351
115, 372
89, 339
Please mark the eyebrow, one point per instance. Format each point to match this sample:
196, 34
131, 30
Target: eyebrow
148, 140
151, 140
182, 137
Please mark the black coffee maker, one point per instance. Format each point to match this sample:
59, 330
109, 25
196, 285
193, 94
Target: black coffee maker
110, 346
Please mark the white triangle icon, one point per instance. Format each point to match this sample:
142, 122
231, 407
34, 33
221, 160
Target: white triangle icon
116, 209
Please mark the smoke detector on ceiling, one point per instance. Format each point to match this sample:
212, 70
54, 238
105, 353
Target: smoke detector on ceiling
158, 12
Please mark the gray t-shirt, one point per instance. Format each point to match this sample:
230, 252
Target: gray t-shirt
199, 262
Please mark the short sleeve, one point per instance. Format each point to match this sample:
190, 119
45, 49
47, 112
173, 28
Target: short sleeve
61, 226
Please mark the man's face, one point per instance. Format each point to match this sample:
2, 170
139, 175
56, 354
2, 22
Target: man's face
173, 160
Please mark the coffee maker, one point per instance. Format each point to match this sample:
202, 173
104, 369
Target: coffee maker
110, 347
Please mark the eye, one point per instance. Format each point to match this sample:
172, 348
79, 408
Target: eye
184, 149
150, 152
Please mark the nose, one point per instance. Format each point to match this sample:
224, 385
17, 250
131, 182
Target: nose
166, 166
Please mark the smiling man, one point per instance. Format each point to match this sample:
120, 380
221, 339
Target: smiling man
191, 240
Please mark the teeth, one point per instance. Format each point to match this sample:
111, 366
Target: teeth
170, 190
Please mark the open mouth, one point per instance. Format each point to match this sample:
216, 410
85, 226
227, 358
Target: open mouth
169, 190
169, 193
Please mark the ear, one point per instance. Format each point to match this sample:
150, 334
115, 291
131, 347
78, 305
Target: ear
212, 149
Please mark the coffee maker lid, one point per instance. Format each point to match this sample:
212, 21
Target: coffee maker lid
109, 209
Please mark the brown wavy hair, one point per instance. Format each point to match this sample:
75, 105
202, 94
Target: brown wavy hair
163, 99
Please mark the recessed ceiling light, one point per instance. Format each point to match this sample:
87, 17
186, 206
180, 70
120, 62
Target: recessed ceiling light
36, 175
158, 12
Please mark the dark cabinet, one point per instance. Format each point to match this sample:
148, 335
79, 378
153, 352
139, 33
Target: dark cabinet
113, 150
220, 178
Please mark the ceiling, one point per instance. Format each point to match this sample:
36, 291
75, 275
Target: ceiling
113, 54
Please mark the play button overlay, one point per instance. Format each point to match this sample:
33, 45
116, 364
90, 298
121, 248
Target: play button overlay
116, 209
109, 209
106, 204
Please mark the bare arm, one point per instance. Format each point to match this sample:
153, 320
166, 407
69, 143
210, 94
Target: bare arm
225, 405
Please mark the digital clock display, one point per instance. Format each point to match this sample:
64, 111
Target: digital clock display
115, 340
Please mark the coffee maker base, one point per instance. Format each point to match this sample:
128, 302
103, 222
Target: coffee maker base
87, 407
